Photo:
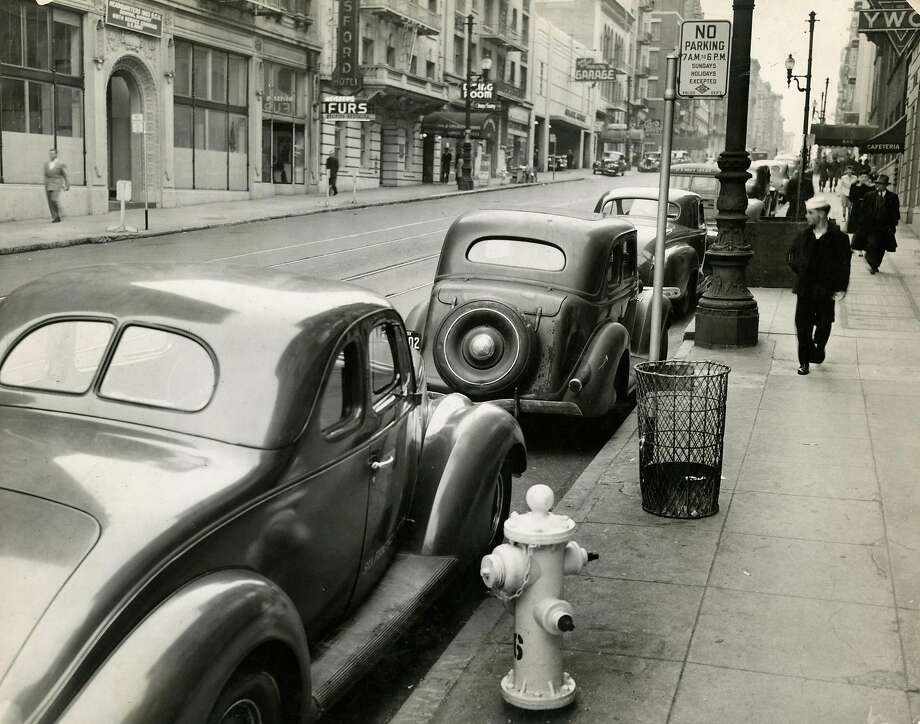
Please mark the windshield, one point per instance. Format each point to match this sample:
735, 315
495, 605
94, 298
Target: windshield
517, 253
703, 185
638, 207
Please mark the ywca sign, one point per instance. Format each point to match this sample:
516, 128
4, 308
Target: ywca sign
896, 18
346, 75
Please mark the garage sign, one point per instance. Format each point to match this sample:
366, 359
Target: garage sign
346, 108
588, 70
704, 54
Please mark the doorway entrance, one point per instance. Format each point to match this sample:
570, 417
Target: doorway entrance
123, 98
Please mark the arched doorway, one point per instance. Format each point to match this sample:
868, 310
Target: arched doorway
129, 91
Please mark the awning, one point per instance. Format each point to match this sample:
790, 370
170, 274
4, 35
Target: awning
891, 140
451, 124
842, 135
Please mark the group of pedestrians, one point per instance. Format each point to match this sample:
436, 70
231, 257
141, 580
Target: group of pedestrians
820, 256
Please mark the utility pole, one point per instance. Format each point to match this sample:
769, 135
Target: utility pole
466, 180
824, 100
628, 119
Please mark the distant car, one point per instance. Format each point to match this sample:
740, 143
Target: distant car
779, 174
613, 164
760, 187
537, 312
224, 492
685, 240
650, 163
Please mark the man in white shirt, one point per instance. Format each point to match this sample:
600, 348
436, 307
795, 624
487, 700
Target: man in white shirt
843, 190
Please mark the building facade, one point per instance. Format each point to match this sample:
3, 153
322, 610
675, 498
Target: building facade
190, 100
854, 87
765, 116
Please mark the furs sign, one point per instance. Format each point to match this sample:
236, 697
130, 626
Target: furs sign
346, 108
347, 76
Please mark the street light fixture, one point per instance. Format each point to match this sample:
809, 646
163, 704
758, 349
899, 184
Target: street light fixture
790, 65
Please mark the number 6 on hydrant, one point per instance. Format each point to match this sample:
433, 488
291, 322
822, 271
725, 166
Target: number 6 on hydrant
527, 572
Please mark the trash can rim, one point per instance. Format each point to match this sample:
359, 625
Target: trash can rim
716, 369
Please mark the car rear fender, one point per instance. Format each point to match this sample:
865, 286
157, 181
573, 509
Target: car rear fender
680, 261
415, 320
465, 446
174, 664
596, 390
638, 320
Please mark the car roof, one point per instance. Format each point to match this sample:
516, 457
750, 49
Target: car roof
696, 169
648, 192
271, 333
585, 238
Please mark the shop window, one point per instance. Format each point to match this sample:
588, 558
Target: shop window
41, 89
211, 126
366, 146
284, 139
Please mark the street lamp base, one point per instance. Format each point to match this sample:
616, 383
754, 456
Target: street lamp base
465, 183
727, 315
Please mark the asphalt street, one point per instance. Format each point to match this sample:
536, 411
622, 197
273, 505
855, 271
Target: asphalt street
392, 250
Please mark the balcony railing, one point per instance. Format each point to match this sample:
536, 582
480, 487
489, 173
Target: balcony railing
297, 9
403, 11
509, 89
505, 35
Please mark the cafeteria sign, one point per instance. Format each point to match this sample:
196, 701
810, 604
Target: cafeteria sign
127, 16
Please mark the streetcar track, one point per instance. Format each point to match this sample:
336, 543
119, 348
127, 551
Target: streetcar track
321, 241
390, 267
354, 248
390, 295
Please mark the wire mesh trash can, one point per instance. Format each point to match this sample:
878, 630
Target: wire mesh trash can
681, 411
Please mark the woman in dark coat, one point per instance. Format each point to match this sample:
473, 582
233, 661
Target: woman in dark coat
856, 219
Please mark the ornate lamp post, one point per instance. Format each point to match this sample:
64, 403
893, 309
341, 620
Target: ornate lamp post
727, 315
465, 182
790, 65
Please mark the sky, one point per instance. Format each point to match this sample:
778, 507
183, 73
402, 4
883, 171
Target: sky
780, 27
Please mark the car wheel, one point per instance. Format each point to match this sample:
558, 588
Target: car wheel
251, 696
501, 506
482, 348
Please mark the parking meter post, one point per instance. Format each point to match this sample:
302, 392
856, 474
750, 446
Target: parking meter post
146, 188
664, 180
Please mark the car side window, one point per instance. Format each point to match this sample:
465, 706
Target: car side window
382, 355
630, 257
341, 399
702, 218
615, 267
608, 210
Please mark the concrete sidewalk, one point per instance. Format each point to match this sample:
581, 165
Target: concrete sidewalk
35, 234
799, 602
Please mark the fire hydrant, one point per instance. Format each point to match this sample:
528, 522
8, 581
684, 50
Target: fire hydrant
527, 573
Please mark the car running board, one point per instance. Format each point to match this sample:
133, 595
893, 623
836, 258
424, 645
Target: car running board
409, 585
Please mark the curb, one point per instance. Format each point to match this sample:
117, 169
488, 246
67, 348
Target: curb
103, 238
426, 699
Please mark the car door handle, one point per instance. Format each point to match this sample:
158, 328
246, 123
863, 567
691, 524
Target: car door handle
385, 463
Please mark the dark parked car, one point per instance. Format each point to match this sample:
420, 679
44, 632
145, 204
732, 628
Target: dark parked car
613, 164
224, 492
685, 240
538, 312
650, 163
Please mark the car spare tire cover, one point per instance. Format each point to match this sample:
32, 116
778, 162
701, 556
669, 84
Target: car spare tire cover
482, 348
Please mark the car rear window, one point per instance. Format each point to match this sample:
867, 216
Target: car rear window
161, 369
58, 357
638, 207
517, 253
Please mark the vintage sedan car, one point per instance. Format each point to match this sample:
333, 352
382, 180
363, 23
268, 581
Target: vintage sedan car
537, 312
613, 164
650, 163
224, 491
685, 239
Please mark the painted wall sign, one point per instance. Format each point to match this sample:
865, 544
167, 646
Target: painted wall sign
347, 76
125, 15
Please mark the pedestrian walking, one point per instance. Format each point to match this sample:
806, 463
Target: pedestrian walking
882, 212
570, 159
820, 258
332, 165
447, 159
55, 181
855, 224
808, 190
847, 179
822, 173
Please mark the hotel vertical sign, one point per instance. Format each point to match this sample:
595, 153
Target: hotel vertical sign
347, 75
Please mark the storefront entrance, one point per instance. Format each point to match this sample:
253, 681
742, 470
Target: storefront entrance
122, 99
283, 152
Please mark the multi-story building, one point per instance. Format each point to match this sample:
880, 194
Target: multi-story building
606, 32
190, 100
765, 119
566, 105
854, 88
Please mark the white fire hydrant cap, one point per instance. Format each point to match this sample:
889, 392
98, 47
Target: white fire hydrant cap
539, 526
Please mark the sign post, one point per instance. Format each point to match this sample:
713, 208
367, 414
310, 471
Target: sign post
137, 127
704, 53
122, 195
664, 181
